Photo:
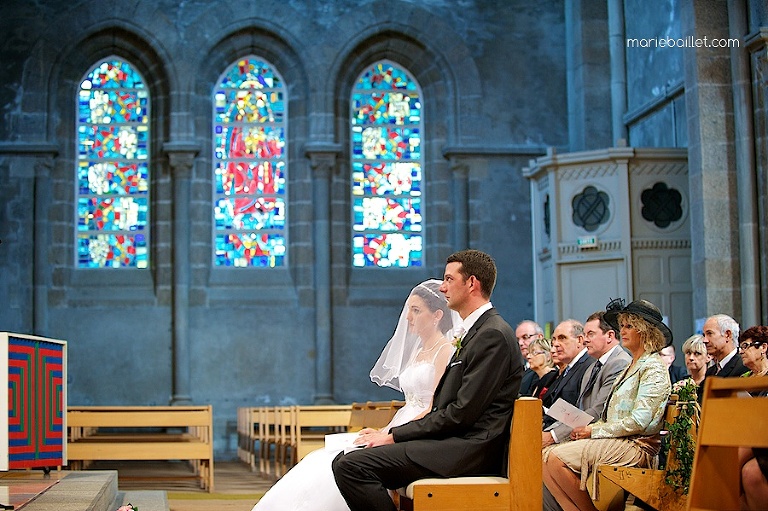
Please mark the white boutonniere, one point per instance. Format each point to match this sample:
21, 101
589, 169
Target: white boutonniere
457, 343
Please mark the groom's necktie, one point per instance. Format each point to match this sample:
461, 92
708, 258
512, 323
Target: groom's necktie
590, 383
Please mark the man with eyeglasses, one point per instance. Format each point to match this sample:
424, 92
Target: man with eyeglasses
526, 331
721, 334
602, 344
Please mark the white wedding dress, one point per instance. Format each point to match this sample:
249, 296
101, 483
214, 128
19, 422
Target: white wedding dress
310, 486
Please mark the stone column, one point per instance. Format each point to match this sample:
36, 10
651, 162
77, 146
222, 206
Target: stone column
323, 162
181, 158
711, 164
41, 267
460, 203
616, 47
744, 142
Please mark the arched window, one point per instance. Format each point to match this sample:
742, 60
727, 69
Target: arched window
386, 127
112, 168
249, 166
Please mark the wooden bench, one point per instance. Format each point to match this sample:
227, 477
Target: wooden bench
267, 435
113, 433
647, 484
521, 490
729, 419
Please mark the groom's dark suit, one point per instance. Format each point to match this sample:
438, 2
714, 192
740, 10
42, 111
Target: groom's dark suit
466, 433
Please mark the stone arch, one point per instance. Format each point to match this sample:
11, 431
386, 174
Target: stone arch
436, 64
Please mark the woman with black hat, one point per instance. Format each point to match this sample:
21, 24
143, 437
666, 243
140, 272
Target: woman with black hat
627, 434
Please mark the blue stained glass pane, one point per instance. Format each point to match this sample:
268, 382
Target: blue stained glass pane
250, 73
111, 213
385, 135
112, 178
250, 213
382, 214
386, 108
250, 169
113, 74
113, 108
112, 251
111, 142
376, 143
244, 250
396, 178
248, 106
387, 250
385, 76
107, 106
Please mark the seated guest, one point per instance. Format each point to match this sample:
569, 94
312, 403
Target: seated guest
754, 344
721, 334
627, 433
696, 359
525, 332
676, 373
571, 357
602, 344
754, 462
540, 362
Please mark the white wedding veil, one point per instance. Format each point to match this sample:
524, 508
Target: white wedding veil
402, 347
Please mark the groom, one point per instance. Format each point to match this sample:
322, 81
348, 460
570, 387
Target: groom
467, 431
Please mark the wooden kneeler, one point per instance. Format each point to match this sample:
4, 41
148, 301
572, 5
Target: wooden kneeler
522, 490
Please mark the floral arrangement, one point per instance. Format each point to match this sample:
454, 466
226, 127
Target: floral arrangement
682, 435
128, 507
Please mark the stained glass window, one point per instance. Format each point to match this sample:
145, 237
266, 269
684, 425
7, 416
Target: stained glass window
386, 127
112, 168
249, 166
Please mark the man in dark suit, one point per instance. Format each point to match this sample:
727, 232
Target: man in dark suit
676, 373
721, 337
571, 356
467, 430
525, 332
602, 343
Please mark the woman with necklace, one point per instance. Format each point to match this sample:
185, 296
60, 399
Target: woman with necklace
413, 361
753, 344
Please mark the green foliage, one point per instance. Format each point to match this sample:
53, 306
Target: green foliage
682, 439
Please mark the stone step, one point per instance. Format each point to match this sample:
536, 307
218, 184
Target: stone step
88, 490
144, 500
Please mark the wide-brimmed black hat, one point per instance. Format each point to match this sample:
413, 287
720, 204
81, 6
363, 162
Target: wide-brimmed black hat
641, 308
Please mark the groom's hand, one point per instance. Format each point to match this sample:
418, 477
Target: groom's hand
374, 438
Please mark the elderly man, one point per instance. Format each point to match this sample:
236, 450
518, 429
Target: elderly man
721, 337
602, 344
526, 331
570, 355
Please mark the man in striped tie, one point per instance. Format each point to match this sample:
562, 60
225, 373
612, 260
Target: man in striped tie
602, 343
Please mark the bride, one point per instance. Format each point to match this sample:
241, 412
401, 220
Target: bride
413, 361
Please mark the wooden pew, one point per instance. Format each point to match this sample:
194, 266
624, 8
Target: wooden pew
729, 419
521, 490
372, 414
649, 485
312, 422
115, 433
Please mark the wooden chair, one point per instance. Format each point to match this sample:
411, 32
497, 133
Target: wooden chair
730, 419
313, 422
649, 485
267, 439
521, 490
372, 414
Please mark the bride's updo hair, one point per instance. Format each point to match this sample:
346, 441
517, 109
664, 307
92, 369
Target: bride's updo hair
435, 300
